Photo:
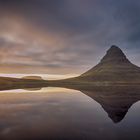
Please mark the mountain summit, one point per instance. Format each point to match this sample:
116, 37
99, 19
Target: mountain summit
113, 67
114, 55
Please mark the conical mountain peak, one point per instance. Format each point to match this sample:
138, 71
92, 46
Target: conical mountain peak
114, 55
114, 66
114, 47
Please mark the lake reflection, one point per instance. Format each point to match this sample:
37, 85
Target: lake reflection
64, 114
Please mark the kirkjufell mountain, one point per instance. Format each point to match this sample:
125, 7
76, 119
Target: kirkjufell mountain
113, 67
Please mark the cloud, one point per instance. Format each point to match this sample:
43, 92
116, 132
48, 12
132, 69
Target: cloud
64, 35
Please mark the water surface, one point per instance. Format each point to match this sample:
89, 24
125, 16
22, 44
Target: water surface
60, 113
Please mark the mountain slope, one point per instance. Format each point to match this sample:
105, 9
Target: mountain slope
114, 66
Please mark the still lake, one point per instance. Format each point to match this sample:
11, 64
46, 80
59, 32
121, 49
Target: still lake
65, 114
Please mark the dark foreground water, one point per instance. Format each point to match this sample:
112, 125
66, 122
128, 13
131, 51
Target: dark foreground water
64, 114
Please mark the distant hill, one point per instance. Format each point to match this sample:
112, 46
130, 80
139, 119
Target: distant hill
33, 77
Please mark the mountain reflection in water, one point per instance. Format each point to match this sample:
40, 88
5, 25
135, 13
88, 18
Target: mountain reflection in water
116, 101
37, 113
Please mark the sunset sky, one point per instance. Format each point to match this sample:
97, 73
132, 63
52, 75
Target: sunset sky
65, 36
